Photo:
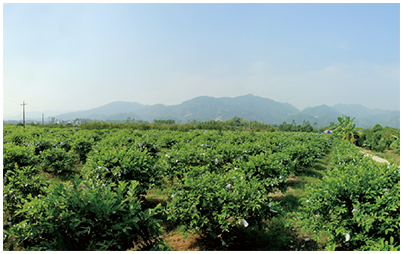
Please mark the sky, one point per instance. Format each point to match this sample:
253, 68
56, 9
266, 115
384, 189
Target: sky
68, 57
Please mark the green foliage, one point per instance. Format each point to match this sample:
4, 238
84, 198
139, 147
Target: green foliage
382, 245
83, 216
345, 153
216, 203
357, 203
112, 164
169, 121
271, 170
82, 146
300, 155
167, 141
356, 198
16, 135
149, 143
377, 128
180, 162
16, 156
396, 144
18, 184
58, 160
306, 127
380, 139
42, 143
345, 129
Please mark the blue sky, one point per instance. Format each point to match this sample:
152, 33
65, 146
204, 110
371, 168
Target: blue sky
82, 56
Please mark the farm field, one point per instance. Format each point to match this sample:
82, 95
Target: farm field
123, 189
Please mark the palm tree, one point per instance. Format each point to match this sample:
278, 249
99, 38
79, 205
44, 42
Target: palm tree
346, 129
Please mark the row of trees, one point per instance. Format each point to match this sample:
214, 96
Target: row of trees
236, 123
377, 138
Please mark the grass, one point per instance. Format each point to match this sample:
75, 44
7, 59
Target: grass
388, 155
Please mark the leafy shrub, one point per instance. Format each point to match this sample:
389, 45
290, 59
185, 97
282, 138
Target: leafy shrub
272, 170
167, 141
252, 149
16, 156
147, 144
345, 153
377, 145
42, 144
378, 138
228, 153
382, 245
111, 165
357, 205
396, 144
82, 216
18, 184
178, 162
16, 135
82, 146
216, 203
58, 160
301, 156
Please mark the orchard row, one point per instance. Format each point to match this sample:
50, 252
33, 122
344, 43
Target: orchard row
218, 181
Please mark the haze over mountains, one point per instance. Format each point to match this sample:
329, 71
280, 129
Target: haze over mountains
249, 107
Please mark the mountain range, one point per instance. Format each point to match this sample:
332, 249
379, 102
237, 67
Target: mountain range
249, 107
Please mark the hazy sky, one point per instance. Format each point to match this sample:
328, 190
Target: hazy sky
82, 56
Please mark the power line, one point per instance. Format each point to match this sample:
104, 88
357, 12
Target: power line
12, 95
16, 99
11, 100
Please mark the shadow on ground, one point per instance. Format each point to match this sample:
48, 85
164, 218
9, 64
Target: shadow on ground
310, 173
278, 237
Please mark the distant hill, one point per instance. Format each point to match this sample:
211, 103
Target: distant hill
106, 111
204, 108
249, 107
352, 110
367, 118
364, 117
321, 111
356, 110
321, 115
389, 118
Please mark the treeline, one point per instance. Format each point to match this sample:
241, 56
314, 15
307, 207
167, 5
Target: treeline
236, 123
377, 139
305, 127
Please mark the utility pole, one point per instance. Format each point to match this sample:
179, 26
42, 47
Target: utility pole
43, 119
23, 112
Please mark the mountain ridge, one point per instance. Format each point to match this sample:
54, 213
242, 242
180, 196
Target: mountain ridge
249, 107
